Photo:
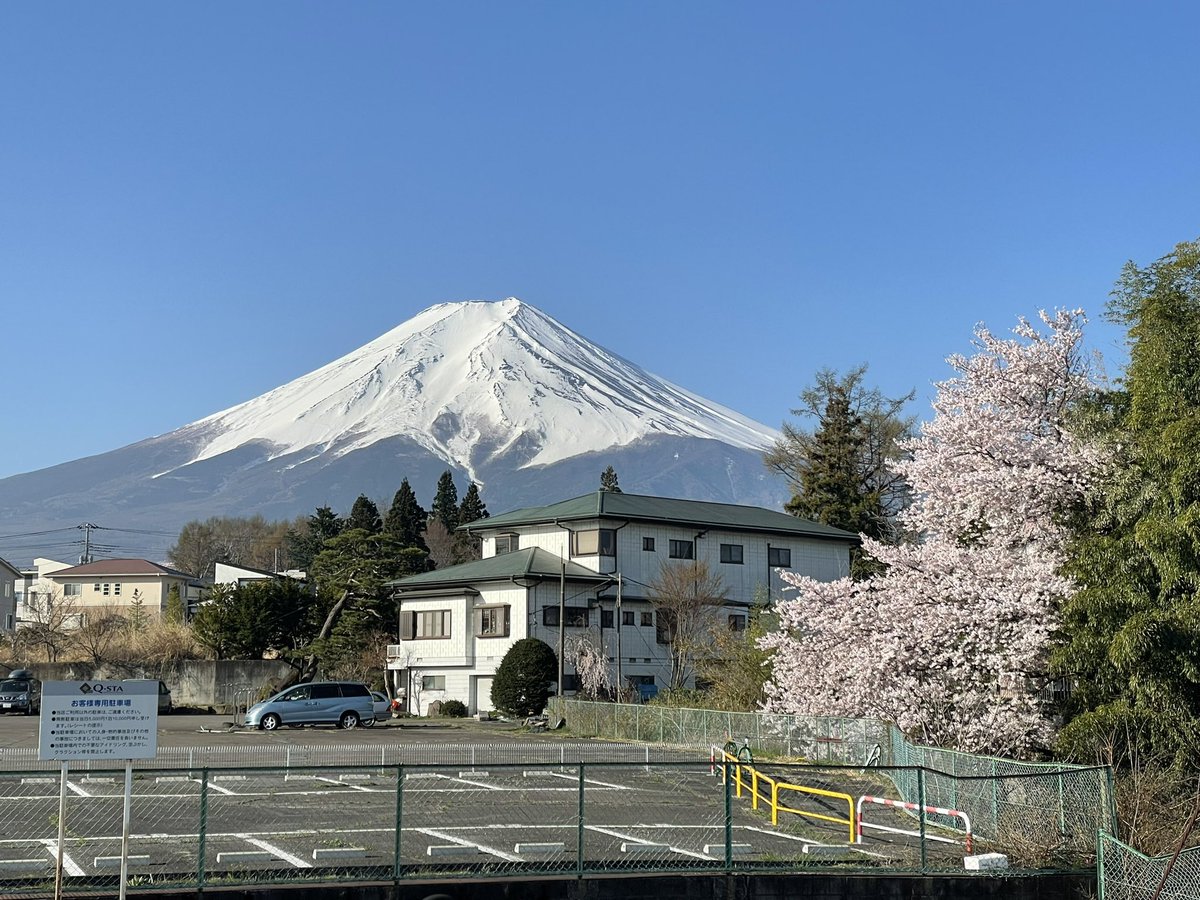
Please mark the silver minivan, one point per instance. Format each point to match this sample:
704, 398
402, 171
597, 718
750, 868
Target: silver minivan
346, 704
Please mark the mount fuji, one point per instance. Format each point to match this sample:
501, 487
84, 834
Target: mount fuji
498, 392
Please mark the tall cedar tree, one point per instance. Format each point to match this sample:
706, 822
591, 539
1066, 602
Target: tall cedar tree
306, 540
406, 519
466, 546
843, 472
1133, 626
445, 502
364, 514
608, 481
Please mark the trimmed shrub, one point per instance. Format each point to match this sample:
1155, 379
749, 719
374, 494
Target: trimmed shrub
454, 709
523, 678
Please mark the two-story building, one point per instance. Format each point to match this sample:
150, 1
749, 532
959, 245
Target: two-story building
591, 561
105, 585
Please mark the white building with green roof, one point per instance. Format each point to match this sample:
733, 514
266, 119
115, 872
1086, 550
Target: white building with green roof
594, 557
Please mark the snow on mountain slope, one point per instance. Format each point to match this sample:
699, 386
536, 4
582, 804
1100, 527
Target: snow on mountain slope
459, 377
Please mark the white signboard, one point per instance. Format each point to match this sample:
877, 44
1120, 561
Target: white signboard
98, 720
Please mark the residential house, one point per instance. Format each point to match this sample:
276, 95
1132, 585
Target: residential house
591, 561
10, 578
115, 585
236, 576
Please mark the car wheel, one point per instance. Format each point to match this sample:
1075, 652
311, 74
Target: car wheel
349, 719
367, 723
269, 722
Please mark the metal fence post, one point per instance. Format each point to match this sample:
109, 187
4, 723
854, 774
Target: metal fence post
728, 816
921, 814
579, 834
399, 822
203, 829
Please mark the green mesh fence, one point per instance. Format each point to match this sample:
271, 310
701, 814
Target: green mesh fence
245, 826
1041, 816
1126, 874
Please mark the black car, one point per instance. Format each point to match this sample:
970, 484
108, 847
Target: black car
20, 692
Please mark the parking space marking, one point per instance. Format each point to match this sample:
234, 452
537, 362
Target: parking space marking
441, 835
76, 789
575, 778
69, 865
790, 837
276, 851
353, 787
637, 840
217, 788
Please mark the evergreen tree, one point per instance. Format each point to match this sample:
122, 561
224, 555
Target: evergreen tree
608, 481
406, 519
365, 515
466, 545
843, 472
307, 539
471, 509
174, 613
445, 502
1133, 626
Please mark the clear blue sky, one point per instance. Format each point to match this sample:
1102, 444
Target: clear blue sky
200, 202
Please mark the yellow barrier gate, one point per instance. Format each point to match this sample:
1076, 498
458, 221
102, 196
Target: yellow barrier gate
747, 776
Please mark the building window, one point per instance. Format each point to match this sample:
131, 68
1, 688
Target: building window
627, 617
96, 588
779, 557
72, 590
577, 616
105, 591
664, 632
8, 622
570, 681
433, 682
117, 589
598, 542
491, 621
507, 543
433, 623
648, 544
682, 550
737, 622
648, 620
731, 553
606, 618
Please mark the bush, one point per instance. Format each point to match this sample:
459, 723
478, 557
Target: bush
523, 678
454, 709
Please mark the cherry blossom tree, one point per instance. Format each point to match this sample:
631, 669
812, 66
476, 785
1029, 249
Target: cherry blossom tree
951, 640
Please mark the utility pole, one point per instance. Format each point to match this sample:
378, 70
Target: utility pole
620, 680
87, 542
562, 624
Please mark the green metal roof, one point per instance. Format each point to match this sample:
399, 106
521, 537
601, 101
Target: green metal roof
640, 508
533, 562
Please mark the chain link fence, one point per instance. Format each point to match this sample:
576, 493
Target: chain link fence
244, 825
1042, 816
1126, 874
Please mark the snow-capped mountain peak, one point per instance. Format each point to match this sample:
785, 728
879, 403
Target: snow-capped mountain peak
469, 382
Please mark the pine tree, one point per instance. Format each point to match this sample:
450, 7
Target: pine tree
174, 613
365, 515
1133, 627
471, 509
844, 471
445, 502
406, 519
305, 541
608, 481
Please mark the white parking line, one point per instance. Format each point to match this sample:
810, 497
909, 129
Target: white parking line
73, 787
355, 787
575, 778
276, 851
217, 788
441, 835
637, 840
69, 865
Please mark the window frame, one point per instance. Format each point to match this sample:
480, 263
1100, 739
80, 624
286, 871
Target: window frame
648, 545
510, 541
605, 542
488, 611
678, 547
779, 557
431, 682
733, 554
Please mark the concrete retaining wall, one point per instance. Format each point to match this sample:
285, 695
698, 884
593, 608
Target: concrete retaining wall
194, 683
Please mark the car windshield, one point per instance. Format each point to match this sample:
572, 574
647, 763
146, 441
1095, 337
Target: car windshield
13, 686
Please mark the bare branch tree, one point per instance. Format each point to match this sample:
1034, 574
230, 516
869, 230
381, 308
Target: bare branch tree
688, 598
